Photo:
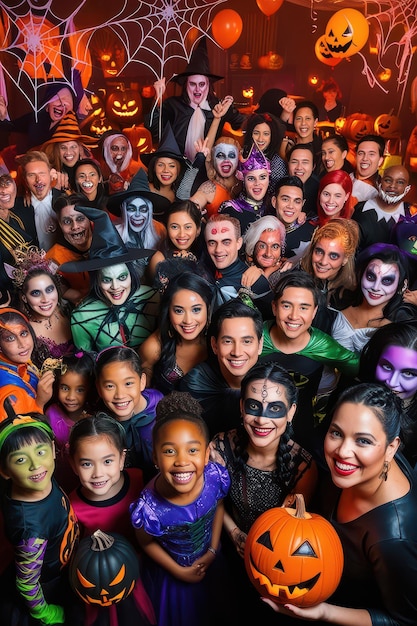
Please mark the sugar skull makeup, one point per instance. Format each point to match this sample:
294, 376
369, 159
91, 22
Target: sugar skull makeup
380, 282
397, 369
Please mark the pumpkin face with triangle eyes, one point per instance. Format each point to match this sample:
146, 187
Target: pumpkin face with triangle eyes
293, 557
104, 569
124, 107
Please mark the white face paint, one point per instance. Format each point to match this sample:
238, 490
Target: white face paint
138, 213
225, 159
197, 88
380, 282
116, 282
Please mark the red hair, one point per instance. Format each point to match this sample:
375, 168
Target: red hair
342, 178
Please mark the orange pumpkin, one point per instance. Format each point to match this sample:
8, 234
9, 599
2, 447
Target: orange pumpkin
294, 557
388, 126
357, 126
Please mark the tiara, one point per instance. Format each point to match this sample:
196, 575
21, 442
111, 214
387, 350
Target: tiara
27, 259
255, 161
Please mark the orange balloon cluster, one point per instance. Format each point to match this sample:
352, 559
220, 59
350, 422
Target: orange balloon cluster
346, 33
227, 27
269, 7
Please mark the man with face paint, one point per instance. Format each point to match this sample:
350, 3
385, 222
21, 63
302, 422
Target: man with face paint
190, 114
378, 215
224, 240
222, 176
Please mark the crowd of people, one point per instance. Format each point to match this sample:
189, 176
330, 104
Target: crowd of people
193, 338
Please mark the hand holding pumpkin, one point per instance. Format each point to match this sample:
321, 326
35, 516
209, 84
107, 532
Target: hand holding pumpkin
239, 539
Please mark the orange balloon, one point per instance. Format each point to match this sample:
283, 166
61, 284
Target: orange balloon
347, 31
227, 27
323, 53
269, 7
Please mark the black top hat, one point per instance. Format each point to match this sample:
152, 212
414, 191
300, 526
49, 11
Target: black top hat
168, 147
139, 188
107, 247
198, 64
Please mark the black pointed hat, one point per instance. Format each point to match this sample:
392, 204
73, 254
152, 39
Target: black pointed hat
198, 64
168, 147
138, 188
107, 247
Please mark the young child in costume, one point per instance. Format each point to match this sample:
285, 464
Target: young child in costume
73, 394
20, 381
178, 518
39, 523
74, 398
121, 386
97, 447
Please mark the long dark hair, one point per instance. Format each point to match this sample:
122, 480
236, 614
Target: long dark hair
388, 253
278, 375
402, 334
169, 336
276, 127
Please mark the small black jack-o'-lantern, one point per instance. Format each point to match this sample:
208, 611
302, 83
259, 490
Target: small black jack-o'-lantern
104, 569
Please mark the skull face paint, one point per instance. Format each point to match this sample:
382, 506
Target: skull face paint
380, 282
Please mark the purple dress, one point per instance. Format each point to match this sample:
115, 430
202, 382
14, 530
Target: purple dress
185, 533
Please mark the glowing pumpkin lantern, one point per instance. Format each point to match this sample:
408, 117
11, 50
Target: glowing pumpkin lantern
124, 106
104, 569
294, 557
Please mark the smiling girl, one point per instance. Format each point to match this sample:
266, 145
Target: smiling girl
334, 197
121, 384
180, 341
178, 519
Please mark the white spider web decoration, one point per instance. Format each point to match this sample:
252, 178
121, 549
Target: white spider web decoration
396, 27
394, 23
152, 33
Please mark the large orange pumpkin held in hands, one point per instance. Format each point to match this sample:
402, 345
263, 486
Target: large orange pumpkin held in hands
294, 557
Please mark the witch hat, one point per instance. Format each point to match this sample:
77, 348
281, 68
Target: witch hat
168, 147
107, 247
68, 130
138, 188
198, 64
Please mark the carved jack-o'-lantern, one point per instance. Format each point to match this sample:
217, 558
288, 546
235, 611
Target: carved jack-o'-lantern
347, 31
124, 106
323, 53
294, 557
140, 138
104, 569
357, 126
388, 126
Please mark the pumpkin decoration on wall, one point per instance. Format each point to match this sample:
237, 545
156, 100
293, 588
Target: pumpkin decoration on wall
124, 107
294, 557
105, 569
354, 128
